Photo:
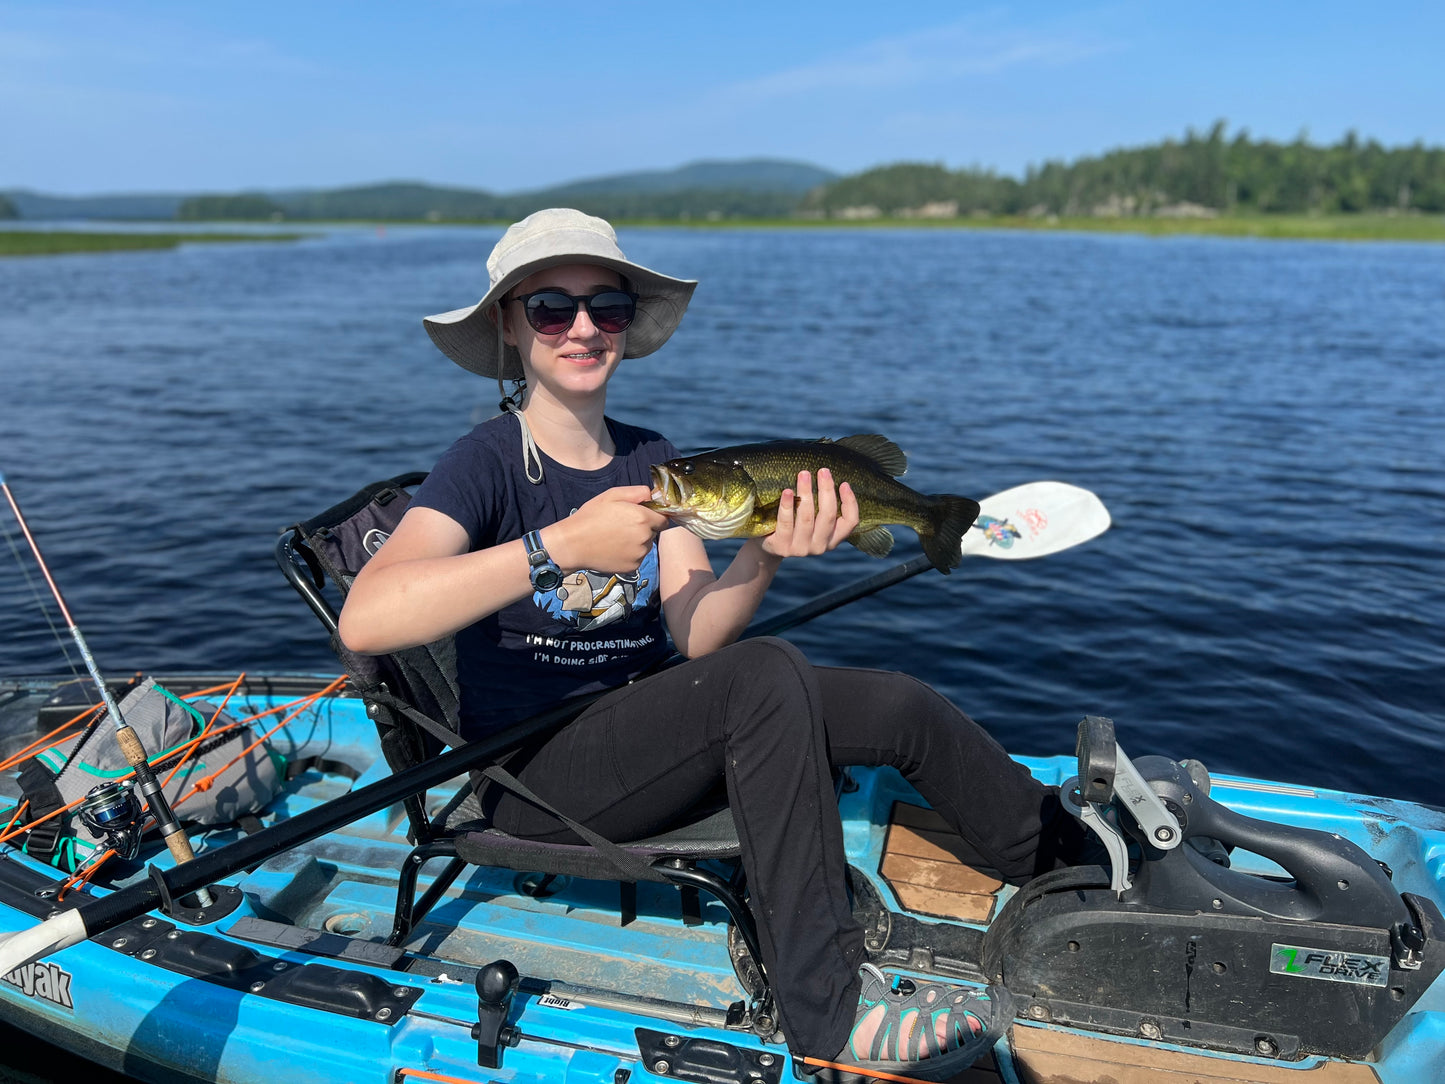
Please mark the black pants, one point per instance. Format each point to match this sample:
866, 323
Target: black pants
761, 717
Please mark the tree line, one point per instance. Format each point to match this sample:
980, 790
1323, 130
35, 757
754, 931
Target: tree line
426, 202
1205, 173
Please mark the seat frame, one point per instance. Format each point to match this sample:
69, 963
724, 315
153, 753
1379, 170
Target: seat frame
408, 735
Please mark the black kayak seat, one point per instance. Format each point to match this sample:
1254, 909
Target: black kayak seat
412, 697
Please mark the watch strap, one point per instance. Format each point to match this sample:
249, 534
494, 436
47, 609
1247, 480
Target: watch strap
542, 570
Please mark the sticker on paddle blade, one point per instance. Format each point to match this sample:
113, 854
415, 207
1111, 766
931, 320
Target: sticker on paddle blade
999, 532
1311, 963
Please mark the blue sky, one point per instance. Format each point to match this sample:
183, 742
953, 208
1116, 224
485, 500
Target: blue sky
503, 95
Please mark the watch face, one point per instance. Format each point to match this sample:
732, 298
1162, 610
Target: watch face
545, 578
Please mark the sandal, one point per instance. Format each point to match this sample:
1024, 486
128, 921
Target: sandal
905, 1043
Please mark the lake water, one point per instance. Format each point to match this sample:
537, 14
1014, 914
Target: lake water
1265, 422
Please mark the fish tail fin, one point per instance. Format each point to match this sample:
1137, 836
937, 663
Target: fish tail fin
951, 516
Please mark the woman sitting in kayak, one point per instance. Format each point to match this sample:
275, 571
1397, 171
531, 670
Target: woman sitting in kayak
531, 542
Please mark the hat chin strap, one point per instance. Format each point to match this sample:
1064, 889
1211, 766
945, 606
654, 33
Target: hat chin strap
530, 456
512, 404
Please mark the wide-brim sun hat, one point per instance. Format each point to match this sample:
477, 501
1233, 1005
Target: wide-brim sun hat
553, 238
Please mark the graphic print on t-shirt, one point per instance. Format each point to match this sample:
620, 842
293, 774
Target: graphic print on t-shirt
589, 600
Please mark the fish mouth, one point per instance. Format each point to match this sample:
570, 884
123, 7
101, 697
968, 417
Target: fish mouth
667, 489
698, 510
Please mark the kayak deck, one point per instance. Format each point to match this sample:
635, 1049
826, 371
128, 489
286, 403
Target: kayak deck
597, 965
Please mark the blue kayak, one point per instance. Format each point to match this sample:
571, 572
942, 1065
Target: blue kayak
1306, 948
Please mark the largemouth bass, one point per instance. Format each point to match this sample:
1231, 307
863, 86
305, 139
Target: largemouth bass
734, 493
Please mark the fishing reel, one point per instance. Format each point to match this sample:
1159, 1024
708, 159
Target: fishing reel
111, 812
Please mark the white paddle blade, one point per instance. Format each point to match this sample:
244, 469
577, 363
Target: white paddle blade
1034, 520
55, 933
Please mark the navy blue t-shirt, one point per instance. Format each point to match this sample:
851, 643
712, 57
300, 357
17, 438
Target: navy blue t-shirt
598, 629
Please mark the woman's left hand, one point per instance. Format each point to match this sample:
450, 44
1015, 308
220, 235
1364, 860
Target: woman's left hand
807, 526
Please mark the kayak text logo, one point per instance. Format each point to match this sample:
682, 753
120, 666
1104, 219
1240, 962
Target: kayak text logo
44, 981
1312, 963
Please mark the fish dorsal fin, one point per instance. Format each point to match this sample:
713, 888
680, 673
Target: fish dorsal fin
880, 449
877, 542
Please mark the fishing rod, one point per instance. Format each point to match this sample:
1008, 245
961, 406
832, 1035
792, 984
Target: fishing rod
126, 737
1027, 521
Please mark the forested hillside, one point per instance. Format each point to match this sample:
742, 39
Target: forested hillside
753, 188
1202, 174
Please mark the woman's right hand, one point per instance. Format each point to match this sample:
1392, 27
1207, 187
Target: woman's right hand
612, 532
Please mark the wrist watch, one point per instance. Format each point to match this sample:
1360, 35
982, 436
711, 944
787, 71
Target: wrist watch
546, 576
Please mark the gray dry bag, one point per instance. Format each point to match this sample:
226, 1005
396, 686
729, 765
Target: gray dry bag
244, 780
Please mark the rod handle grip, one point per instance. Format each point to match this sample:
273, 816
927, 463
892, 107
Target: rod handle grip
180, 846
130, 745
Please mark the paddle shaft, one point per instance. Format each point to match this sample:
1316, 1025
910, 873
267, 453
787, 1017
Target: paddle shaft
840, 596
210, 866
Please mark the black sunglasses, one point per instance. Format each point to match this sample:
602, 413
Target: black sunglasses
551, 312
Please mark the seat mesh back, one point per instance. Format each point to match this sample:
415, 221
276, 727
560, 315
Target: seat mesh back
341, 540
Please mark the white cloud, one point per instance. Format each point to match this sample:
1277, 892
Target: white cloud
938, 55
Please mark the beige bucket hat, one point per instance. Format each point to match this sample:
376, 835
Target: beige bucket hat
551, 238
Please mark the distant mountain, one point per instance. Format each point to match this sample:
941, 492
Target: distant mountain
762, 187
139, 206
395, 200
754, 187
747, 175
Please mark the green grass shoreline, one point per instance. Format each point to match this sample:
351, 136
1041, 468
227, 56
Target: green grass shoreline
1271, 227
60, 242
1339, 227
